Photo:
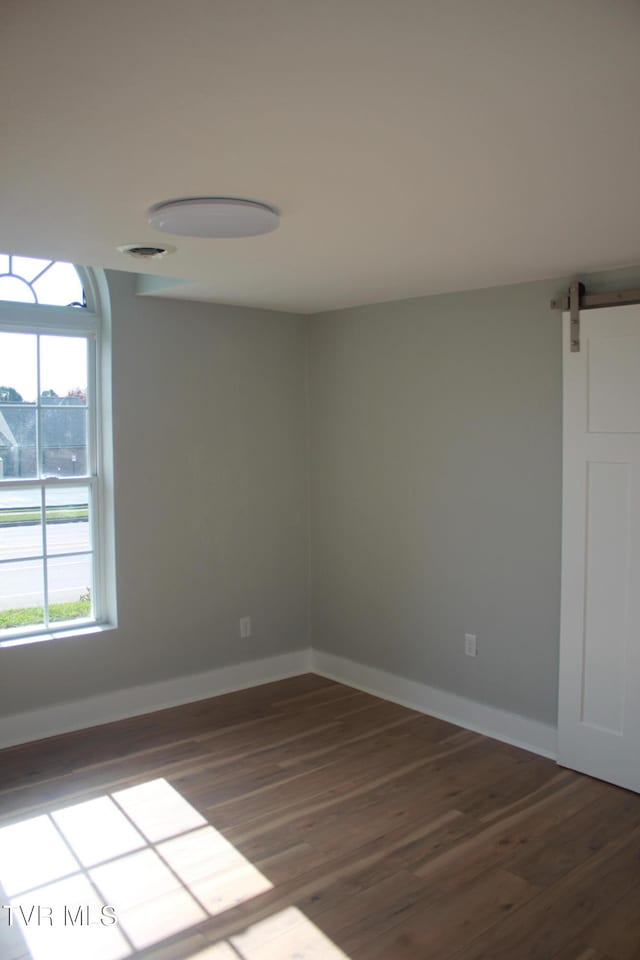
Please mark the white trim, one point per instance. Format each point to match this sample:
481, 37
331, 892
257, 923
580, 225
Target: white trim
121, 704
48, 319
50, 721
512, 728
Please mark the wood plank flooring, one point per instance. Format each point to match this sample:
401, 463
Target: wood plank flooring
305, 820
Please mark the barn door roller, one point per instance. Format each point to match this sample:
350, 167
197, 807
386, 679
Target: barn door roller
578, 299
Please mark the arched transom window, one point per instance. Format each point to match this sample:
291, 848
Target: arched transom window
51, 282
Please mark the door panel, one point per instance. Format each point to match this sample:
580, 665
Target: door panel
606, 619
613, 384
599, 705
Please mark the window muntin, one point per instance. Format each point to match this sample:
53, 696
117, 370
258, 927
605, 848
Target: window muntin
49, 469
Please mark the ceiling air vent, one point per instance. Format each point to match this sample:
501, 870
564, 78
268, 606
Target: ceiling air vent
146, 251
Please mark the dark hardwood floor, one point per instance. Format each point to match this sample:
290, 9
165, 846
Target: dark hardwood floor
304, 820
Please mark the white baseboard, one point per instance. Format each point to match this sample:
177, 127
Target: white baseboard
120, 704
512, 728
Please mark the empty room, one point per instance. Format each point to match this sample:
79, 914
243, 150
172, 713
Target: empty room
320, 480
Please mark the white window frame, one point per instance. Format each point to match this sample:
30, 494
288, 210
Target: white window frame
89, 322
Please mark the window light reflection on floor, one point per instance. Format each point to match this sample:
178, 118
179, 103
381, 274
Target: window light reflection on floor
287, 935
59, 940
144, 850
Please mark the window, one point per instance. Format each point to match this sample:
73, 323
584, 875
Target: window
51, 514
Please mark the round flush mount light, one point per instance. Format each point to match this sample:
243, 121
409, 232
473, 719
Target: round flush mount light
146, 251
216, 217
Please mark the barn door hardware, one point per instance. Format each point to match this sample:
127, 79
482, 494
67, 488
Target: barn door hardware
577, 299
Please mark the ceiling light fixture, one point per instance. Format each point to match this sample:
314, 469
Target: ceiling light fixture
218, 217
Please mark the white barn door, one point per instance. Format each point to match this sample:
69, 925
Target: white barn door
599, 697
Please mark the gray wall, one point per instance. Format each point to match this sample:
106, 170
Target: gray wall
434, 428
436, 489
209, 409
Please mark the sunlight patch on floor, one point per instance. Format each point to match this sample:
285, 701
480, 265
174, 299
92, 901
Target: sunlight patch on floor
115, 836
213, 870
151, 902
32, 853
145, 851
148, 857
158, 810
287, 935
69, 936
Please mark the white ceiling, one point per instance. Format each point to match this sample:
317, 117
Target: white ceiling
412, 146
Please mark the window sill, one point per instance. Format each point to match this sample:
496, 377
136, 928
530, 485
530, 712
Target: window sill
67, 632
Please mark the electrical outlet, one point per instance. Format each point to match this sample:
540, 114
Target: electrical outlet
245, 627
471, 644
